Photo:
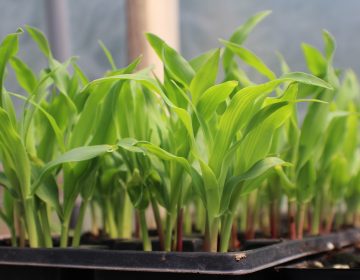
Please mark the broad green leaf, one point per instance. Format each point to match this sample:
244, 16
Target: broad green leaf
330, 44
48, 192
250, 58
255, 171
305, 182
74, 155
262, 115
40, 40
213, 97
4, 181
315, 60
306, 79
129, 144
57, 131
241, 108
351, 137
137, 192
205, 77
175, 64
212, 190
179, 68
25, 76
8, 48
198, 61
156, 43
340, 177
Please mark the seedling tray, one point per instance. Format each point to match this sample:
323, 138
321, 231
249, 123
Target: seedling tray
105, 263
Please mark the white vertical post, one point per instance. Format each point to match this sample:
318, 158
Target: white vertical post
58, 28
156, 16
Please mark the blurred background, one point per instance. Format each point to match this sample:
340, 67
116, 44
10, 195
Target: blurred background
75, 26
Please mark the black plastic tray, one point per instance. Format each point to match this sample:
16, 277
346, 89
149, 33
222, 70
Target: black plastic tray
174, 265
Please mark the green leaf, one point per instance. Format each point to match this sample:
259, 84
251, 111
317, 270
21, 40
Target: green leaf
262, 115
284, 66
330, 44
57, 131
241, 34
255, 171
177, 66
25, 76
250, 58
74, 155
15, 160
314, 60
84, 80
4, 181
205, 77
198, 61
137, 192
213, 97
212, 190
108, 55
156, 43
40, 40
48, 192
306, 79
8, 48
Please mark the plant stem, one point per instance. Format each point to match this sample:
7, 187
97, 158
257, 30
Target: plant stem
170, 220
179, 229
226, 225
110, 218
19, 223
200, 216
30, 221
315, 225
187, 221
273, 219
330, 220
249, 232
65, 226
79, 223
213, 234
144, 231
234, 240
45, 225
64, 234
291, 218
125, 218
158, 222
94, 221
207, 236
300, 220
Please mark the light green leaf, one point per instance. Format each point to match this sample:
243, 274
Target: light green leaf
330, 44
74, 155
250, 58
306, 79
213, 97
25, 76
256, 170
108, 55
241, 34
8, 48
40, 40
314, 59
205, 77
